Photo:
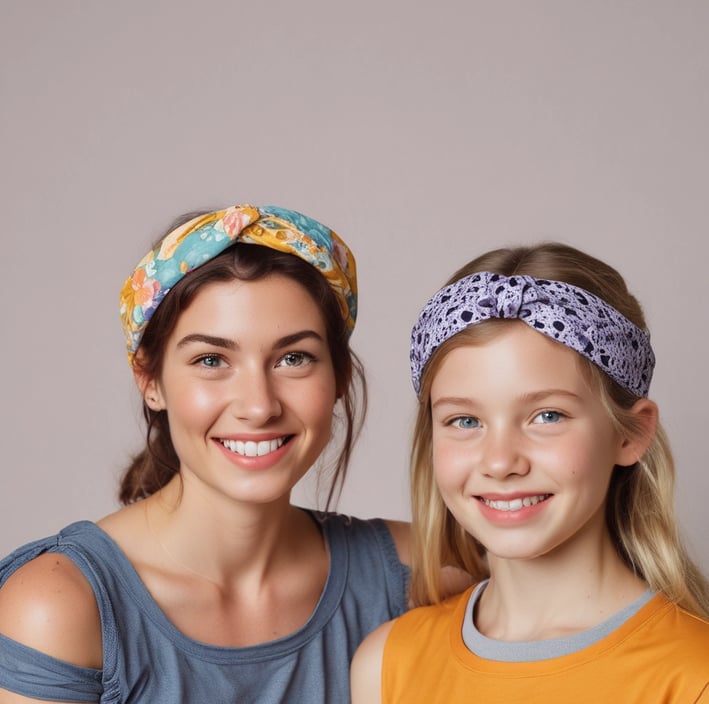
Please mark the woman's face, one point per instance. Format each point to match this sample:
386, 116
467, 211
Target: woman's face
249, 388
523, 449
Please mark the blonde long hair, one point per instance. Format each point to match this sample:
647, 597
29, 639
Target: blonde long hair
640, 503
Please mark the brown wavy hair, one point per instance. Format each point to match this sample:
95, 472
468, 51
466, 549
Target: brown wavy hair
156, 464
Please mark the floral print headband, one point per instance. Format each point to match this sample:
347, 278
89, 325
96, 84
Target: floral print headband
562, 312
203, 238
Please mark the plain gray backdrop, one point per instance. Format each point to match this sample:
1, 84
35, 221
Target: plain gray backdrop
424, 133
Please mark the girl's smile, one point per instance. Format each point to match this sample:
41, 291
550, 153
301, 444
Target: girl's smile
523, 449
512, 510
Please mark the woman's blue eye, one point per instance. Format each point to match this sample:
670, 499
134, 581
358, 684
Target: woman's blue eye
548, 417
210, 360
465, 422
295, 359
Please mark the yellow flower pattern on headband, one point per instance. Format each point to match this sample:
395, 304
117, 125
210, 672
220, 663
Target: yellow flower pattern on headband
188, 246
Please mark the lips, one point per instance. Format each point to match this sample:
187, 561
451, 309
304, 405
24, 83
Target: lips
516, 504
255, 448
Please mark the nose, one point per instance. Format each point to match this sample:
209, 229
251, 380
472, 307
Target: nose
255, 398
503, 453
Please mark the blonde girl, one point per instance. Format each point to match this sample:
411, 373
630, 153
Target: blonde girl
540, 467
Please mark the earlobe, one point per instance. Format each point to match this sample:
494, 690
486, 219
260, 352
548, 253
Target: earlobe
149, 390
645, 414
153, 400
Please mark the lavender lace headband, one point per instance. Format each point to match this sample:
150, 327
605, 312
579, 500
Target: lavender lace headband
206, 236
562, 312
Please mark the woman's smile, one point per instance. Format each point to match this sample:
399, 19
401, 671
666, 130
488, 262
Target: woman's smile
248, 384
255, 448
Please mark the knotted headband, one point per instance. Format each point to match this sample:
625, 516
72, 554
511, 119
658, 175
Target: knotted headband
206, 236
565, 313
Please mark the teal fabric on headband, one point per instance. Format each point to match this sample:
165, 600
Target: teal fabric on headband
203, 238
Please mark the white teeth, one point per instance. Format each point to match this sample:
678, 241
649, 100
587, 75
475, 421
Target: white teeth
251, 448
515, 504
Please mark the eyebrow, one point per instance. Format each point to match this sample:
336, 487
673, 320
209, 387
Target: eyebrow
545, 393
450, 401
297, 337
531, 397
228, 344
208, 340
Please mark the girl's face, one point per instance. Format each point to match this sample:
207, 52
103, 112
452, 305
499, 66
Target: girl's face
249, 388
522, 448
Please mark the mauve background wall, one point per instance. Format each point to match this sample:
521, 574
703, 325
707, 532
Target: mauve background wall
424, 133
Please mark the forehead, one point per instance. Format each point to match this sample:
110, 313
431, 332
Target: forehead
512, 355
273, 303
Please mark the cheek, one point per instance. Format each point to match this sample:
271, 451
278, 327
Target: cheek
321, 404
315, 399
451, 463
192, 401
582, 463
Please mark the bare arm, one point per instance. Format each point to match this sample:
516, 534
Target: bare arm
48, 605
366, 670
7, 697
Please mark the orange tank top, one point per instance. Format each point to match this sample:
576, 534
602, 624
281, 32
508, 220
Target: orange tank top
660, 654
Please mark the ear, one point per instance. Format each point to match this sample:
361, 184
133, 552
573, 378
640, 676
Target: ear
633, 447
149, 389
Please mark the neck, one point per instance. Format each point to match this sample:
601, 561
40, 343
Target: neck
557, 594
224, 541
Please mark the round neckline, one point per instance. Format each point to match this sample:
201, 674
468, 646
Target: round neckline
127, 575
530, 652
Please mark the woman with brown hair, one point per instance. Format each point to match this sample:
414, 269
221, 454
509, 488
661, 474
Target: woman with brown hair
209, 585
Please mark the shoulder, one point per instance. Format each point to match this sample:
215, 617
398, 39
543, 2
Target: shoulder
671, 616
47, 604
401, 534
453, 579
426, 626
403, 638
386, 534
687, 629
367, 553
366, 670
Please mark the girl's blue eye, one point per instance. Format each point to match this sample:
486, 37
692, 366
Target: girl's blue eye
465, 422
548, 417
